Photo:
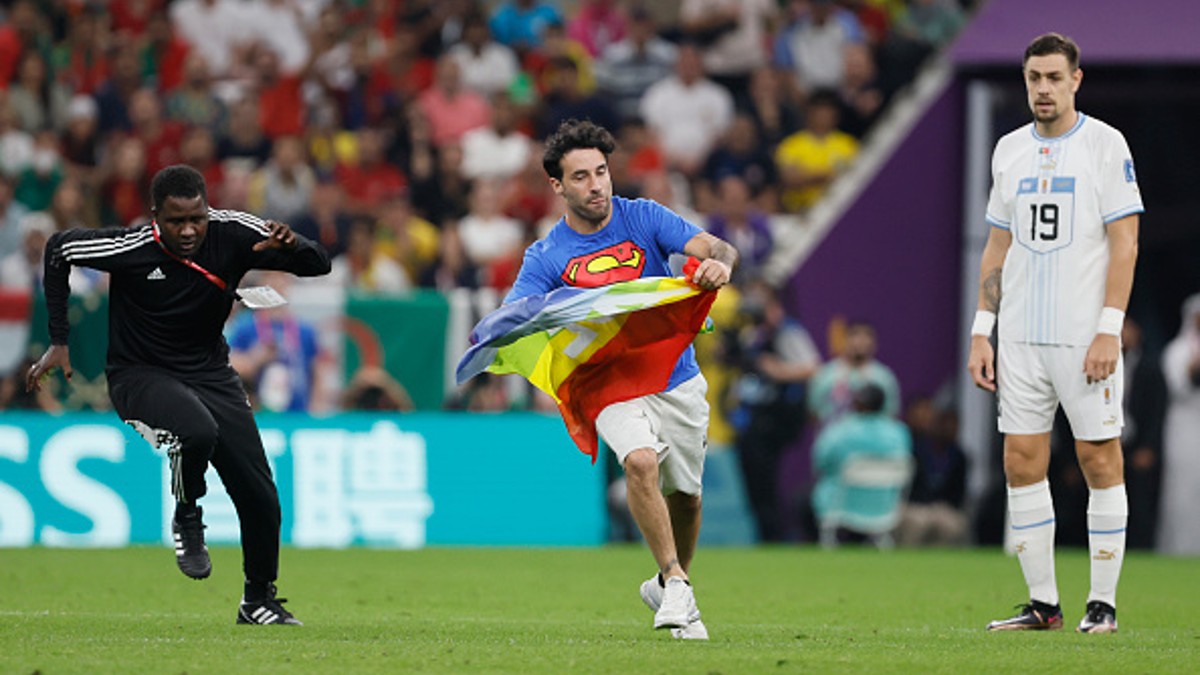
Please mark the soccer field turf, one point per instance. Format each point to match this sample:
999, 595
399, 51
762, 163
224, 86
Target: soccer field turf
768, 610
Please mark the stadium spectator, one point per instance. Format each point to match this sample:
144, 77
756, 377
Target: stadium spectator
1178, 527
80, 140
12, 213
521, 23
179, 389
626, 69
244, 141
637, 155
775, 358
874, 16
528, 197
217, 29
406, 238
277, 355
932, 22
16, 144
1145, 404
123, 192
813, 47
866, 431
687, 112
736, 219
733, 37
401, 74
19, 32
70, 206
742, 153
567, 99
543, 64
81, 60
365, 267
492, 241
21, 269
450, 109
282, 110
372, 388
160, 136
326, 221
282, 188
198, 149
860, 97
487, 67
498, 150
597, 25
439, 191
934, 514
114, 95
279, 25
369, 179
770, 104
163, 53
831, 392
39, 100
812, 158
193, 102
37, 182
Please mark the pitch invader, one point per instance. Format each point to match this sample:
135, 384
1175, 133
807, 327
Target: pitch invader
1057, 269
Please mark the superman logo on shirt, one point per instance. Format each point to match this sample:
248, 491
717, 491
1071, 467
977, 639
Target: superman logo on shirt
619, 262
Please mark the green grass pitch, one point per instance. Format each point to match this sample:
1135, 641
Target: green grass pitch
467, 610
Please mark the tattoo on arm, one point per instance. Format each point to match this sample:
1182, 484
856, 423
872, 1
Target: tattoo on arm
725, 252
991, 291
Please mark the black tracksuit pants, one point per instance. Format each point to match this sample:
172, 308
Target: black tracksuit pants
203, 419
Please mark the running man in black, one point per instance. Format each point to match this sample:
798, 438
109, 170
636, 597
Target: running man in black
172, 286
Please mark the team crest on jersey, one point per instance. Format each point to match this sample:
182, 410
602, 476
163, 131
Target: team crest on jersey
1130, 176
620, 262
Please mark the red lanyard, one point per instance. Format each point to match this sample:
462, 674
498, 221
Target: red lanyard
218, 281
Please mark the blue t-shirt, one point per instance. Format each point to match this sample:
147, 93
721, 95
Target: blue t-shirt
637, 242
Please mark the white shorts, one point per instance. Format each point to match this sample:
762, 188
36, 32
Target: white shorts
672, 423
1033, 380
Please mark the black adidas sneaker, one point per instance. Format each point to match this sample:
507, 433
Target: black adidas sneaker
266, 612
190, 552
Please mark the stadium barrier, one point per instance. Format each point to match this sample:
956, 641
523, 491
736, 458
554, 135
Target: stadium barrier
88, 480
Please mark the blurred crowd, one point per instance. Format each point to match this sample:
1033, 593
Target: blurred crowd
404, 136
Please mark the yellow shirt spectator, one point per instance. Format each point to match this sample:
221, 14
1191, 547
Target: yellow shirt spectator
810, 159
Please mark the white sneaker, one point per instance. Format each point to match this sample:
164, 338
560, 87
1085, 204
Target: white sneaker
678, 603
695, 630
652, 593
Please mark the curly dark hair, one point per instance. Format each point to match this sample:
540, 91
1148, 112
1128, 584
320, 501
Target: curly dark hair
574, 135
179, 180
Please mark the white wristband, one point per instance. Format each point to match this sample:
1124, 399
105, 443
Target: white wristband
985, 321
1111, 320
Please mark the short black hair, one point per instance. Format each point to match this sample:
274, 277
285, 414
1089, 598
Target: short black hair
575, 134
1053, 43
179, 180
869, 398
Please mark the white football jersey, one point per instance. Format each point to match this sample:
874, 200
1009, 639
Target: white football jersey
1057, 195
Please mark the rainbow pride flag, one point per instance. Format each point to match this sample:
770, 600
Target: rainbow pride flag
591, 347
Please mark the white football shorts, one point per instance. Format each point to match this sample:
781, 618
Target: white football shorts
1034, 379
672, 423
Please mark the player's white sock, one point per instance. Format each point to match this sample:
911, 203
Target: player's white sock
1031, 516
1107, 515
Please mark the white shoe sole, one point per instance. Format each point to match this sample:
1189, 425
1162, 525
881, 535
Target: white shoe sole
693, 631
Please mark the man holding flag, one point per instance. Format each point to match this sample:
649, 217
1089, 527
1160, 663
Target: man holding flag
659, 438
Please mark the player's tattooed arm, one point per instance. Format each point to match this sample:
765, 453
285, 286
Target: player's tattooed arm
991, 290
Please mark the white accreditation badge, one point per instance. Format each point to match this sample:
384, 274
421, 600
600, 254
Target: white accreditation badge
261, 297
